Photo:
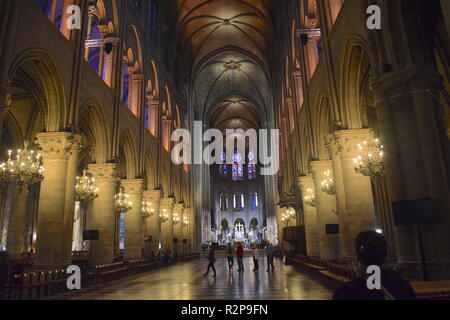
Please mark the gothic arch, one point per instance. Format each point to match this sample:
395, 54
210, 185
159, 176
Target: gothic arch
322, 126
355, 70
93, 123
42, 70
127, 155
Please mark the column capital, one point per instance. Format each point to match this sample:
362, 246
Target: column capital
396, 84
345, 142
153, 196
5, 95
317, 168
167, 203
305, 182
58, 145
178, 207
133, 186
106, 172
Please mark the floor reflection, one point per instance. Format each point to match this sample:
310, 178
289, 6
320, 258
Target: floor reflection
186, 282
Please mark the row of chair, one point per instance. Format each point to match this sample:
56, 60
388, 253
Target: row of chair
36, 284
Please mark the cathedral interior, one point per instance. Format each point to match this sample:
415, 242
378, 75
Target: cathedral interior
91, 92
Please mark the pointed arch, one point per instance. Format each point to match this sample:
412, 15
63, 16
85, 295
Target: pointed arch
127, 155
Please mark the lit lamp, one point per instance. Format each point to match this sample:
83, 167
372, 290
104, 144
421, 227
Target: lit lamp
185, 221
176, 219
122, 203
310, 198
370, 161
164, 216
147, 210
23, 167
328, 184
85, 188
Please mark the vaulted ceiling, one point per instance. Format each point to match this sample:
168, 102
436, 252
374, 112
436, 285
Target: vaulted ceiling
228, 44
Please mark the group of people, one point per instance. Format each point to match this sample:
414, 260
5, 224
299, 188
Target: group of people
238, 252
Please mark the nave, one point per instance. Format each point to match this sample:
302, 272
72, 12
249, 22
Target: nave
186, 282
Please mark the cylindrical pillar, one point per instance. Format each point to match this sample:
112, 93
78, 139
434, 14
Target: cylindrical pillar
326, 212
310, 219
133, 220
353, 191
17, 221
56, 148
165, 209
152, 225
102, 217
178, 211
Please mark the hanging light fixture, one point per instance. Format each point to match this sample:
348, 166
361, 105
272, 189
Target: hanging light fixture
164, 216
185, 221
85, 187
122, 203
370, 161
176, 219
310, 198
147, 210
328, 184
23, 166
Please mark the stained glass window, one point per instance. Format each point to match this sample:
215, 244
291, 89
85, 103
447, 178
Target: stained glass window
223, 168
238, 168
253, 201
251, 167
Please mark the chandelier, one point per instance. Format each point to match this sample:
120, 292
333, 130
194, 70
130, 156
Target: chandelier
164, 216
288, 214
370, 161
147, 210
122, 203
310, 198
25, 166
328, 184
176, 219
185, 221
85, 188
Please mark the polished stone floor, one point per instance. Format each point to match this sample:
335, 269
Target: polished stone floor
186, 282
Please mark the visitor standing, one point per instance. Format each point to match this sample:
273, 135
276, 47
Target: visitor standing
240, 257
230, 256
270, 250
255, 254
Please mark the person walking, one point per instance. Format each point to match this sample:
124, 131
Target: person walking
255, 254
270, 250
230, 256
211, 260
240, 257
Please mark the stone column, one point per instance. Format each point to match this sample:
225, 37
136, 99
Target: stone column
153, 115
102, 217
110, 67
178, 211
186, 246
166, 208
56, 147
133, 220
135, 102
353, 191
416, 161
326, 212
17, 221
152, 225
69, 207
5, 102
310, 217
